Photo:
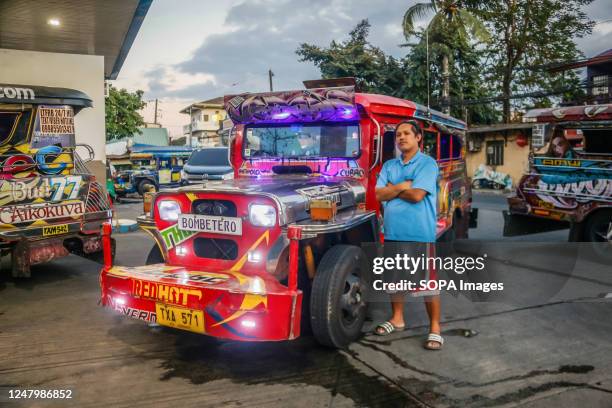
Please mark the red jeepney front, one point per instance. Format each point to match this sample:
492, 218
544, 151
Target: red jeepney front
230, 299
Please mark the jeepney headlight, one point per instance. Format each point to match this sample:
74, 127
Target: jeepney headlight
183, 175
227, 176
169, 210
262, 215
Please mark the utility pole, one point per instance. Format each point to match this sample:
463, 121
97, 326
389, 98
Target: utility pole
270, 75
190, 126
155, 120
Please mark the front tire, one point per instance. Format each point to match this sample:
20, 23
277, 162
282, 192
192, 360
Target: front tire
337, 302
155, 256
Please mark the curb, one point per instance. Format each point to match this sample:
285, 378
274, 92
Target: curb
123, 225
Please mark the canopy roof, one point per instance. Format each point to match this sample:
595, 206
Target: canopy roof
570, 113
90, 27
40, 95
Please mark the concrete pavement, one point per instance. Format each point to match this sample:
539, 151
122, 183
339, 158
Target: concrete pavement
534, 350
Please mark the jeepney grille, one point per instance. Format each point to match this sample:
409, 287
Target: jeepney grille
97, 199
214, 207
215, 248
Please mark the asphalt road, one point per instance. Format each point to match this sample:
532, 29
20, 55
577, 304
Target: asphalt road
547, 344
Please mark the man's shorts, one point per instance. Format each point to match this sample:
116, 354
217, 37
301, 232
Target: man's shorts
412, 249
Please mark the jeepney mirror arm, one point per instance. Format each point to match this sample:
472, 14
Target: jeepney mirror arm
90, 152
378, 144
232, 136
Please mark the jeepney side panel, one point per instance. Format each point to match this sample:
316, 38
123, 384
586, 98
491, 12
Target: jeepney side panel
454, 192
564, 189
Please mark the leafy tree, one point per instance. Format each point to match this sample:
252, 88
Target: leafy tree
374, 71
450, 33
529, 34
407, 77
122, 117
465, 81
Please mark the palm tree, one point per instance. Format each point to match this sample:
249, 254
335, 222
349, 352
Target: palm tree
451, 21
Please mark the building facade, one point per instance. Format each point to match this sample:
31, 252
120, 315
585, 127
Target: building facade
206, 120
598, 82
504, 148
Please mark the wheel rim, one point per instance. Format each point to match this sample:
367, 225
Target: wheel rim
352, 300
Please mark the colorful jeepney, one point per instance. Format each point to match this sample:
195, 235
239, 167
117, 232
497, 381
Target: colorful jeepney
152, 168
50, 205
569, 183
256, 257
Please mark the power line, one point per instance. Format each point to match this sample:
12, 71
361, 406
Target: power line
534, 94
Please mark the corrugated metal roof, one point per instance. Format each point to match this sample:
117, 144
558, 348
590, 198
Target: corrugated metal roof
499, 127
149, 137
152, 137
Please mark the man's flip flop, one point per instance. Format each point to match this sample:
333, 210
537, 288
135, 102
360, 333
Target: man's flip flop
436, 338
386, 328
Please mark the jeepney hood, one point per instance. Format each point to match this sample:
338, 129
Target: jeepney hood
291, 193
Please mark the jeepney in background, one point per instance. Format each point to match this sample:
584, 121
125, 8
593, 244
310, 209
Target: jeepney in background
567, 186
50, 205
278, 246
153, 168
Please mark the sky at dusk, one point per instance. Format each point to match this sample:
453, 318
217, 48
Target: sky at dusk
192, 50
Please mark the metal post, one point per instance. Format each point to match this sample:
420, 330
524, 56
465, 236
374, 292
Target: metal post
270, 75
155, 119
427, 63
294, 234
107, 246
190, 127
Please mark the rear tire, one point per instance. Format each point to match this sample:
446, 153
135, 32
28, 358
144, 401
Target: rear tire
598, 230
337, 302
155, 256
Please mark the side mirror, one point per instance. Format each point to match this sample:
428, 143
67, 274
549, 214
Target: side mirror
85, 152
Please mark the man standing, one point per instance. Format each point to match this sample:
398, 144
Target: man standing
408, 185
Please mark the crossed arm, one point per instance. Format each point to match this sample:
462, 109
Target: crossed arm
401, 190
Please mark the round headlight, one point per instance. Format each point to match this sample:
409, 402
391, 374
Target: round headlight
169, 210
262, 215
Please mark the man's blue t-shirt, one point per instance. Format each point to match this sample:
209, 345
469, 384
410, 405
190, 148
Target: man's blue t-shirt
405, 221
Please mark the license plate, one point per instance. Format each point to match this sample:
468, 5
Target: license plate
180, 318
55, 230
210, 223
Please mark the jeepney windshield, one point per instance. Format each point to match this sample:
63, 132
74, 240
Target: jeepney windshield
147, 164
302, 141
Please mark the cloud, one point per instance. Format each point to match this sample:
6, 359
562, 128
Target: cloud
258, 35
264, 34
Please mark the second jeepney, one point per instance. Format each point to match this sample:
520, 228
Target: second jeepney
254, 257
50, 204
569, 180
